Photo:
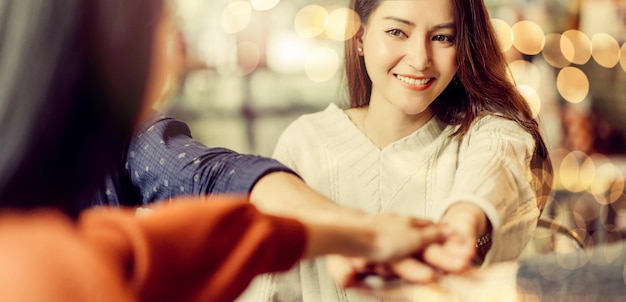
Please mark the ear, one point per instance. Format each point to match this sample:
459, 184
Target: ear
358, 38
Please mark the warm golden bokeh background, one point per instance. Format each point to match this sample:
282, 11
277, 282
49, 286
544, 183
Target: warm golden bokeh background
256, 65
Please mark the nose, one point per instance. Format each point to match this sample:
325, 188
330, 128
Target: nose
419, 55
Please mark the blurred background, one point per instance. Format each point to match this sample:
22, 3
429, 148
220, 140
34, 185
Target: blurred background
254, 66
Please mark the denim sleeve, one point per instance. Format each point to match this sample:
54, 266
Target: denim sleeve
164, 161
597, 274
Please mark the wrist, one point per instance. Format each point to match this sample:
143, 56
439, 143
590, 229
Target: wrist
463, 214
339, 238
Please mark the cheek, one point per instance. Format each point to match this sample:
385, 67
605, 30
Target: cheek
447, 61
380, 57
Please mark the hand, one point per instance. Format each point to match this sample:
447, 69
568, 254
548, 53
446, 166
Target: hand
467, 222
380, 238
394, 236
454, 255
494, 283
393, 239
356, 272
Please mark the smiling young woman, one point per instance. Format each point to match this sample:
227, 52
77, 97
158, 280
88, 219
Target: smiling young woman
434, 129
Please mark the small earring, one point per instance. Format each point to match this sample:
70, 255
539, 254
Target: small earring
360, 49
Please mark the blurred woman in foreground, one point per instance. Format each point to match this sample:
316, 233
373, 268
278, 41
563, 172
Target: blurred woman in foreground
73, 75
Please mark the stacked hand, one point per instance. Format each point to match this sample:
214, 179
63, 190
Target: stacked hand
428, 254
491, 284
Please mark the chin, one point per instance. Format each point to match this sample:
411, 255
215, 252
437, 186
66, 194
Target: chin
416, 110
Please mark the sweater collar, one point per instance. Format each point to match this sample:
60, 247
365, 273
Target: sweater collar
417, 140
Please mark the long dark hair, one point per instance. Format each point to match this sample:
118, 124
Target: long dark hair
72, 81
481, 86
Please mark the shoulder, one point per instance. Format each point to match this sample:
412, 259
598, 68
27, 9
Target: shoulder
499, 124
317, 121
500, 131
331, 111
310, 131
159, 126
494, 120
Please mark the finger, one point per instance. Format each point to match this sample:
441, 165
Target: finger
340, 269
425, 236
454, 255
383, 270
418, 222
461, 246
361, 264
446, 258
413, 270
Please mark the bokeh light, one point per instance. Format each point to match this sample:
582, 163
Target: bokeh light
528, 37
525, 73
337, 26
602, 180
609, 253
556, 46
236, 16
588, 211
587, 171
527, 78
504, 33
605, 175
310, 21
245, 58
286, 52
322, 64
573, 173
605, 50
616, 190
622, 58
263, 5
572, 84
532, 97
582, 47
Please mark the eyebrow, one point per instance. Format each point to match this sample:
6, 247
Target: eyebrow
407, 22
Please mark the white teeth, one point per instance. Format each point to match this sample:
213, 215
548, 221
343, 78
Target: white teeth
412, 81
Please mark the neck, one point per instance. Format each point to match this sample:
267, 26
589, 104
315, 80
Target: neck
383, 127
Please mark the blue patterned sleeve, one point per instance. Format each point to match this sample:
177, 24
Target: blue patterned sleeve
164, 161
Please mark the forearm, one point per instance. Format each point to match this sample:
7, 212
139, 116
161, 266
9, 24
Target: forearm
284, 194
323, 239
219, 246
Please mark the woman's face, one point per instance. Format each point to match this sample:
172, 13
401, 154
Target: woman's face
409, 52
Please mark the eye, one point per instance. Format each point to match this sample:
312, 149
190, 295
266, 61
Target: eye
443, 38
396, 32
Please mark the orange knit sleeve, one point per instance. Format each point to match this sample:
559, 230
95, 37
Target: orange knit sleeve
193, 249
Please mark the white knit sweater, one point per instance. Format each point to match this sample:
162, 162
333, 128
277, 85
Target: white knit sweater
420, 175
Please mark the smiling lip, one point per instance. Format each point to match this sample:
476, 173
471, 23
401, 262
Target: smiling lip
413, 83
